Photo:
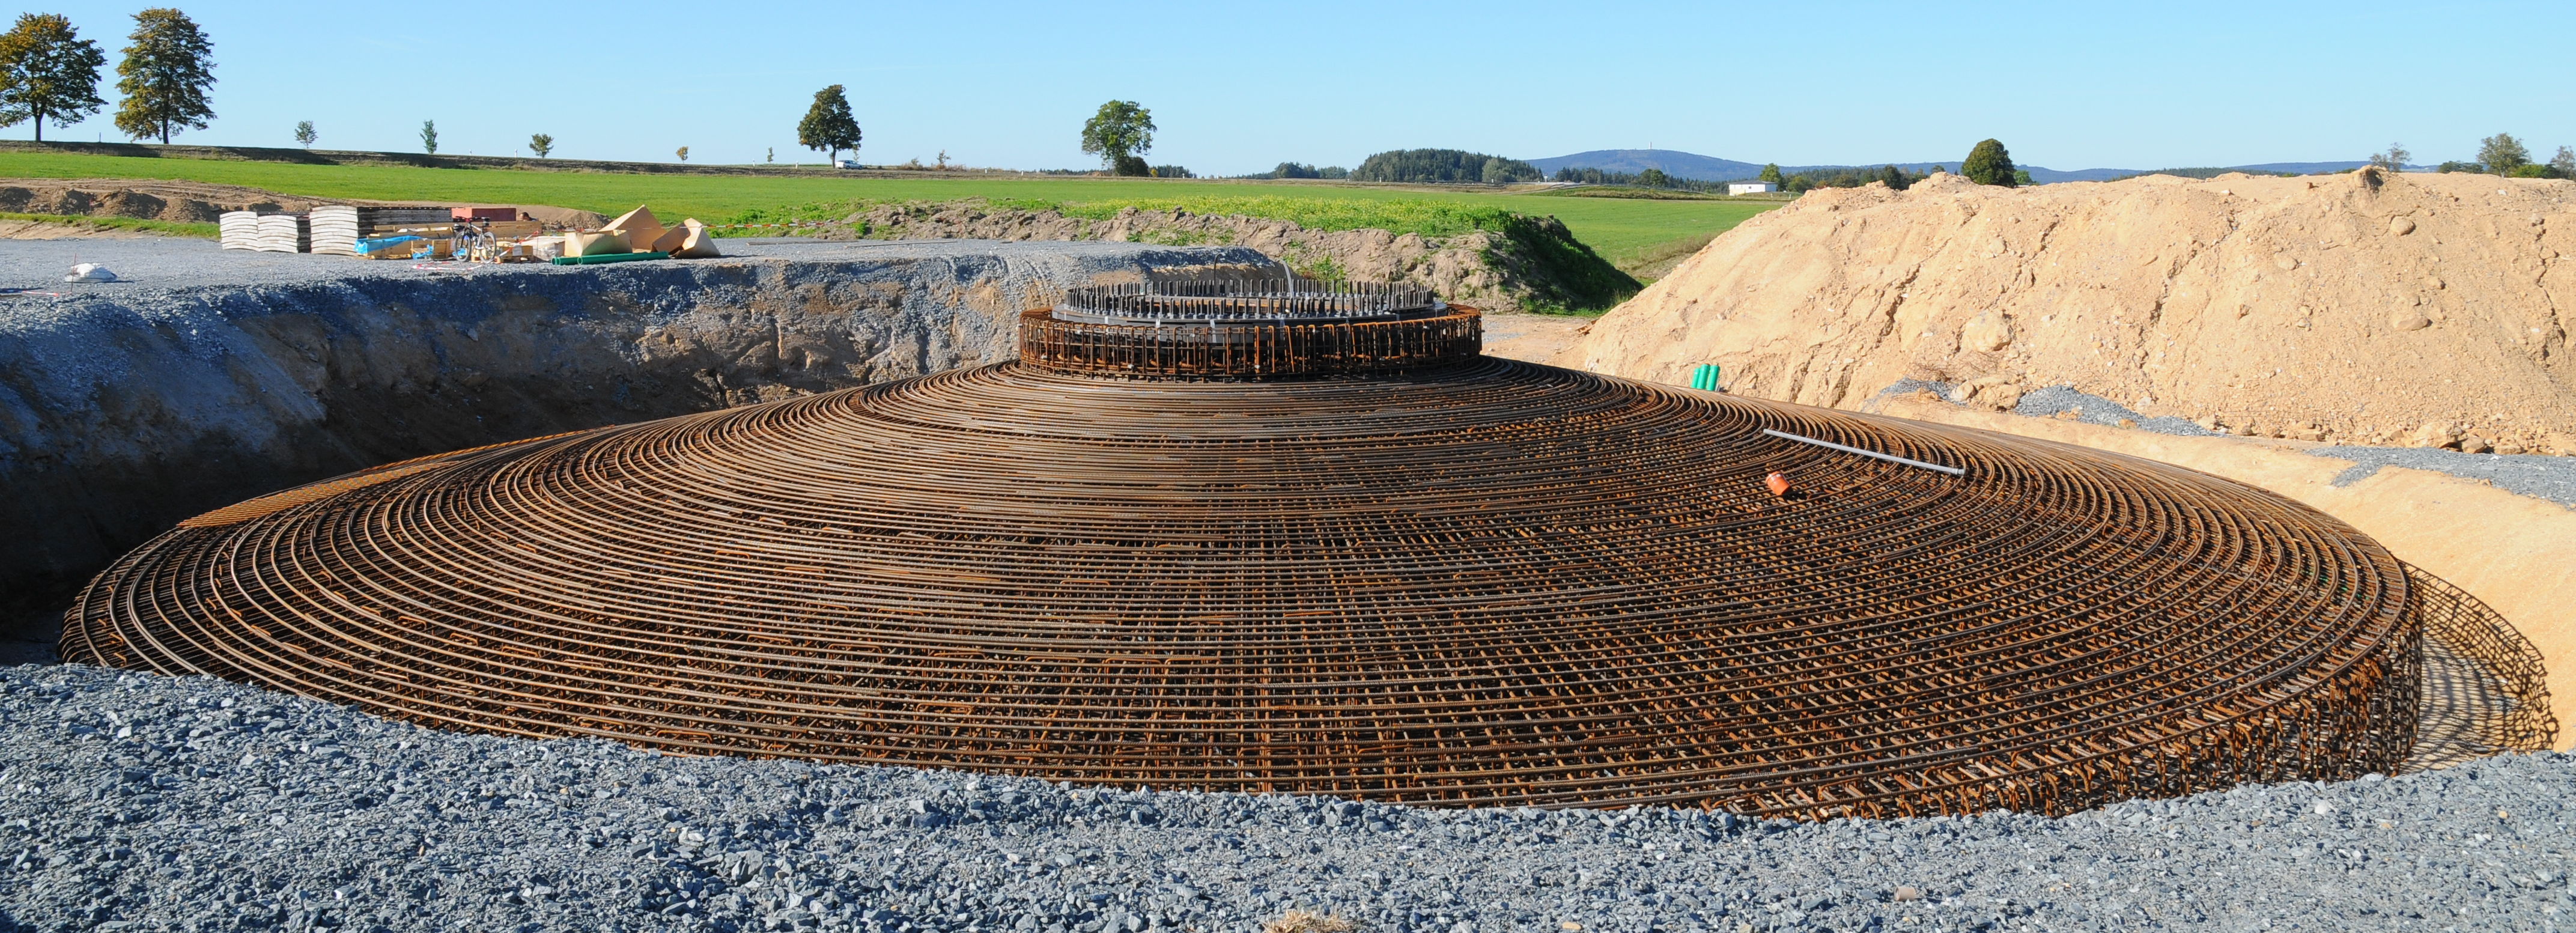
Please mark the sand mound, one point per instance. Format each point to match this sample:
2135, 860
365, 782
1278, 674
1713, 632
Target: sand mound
2426, 309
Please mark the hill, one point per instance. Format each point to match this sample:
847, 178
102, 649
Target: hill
1711, 168
1676, 164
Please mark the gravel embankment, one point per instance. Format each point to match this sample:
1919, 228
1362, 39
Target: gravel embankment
2048, 401
134, 802
2536, 475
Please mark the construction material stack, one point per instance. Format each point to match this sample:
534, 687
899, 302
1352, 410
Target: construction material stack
238, 229
264, 231
337, 229
284, 233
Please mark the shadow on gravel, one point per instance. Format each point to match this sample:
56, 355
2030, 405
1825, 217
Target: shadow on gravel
2465, 707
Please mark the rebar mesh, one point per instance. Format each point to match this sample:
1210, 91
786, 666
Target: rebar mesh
1485, 583
1252, 350
2471, 629
1246, 300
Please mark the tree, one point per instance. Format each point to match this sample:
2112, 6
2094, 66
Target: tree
1989, 164
828, 125
1654, 178
1895, 178
304, 134
165, 76
1771, 173
683, 153
48, 72
2564, 162
429, 136
773, 155
1119, 133
541, 144
2502, 153
2394, 160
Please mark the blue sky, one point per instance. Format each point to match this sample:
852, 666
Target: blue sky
1237, 88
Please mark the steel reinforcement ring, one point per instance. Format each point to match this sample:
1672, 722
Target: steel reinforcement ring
1252, 350
1480, 583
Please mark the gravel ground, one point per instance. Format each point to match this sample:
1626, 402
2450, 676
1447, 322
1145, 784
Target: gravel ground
135, 802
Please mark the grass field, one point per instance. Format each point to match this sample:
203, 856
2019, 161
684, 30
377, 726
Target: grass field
1621, 230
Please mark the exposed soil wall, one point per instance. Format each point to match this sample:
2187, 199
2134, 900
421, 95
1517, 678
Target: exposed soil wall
1539, 267
2364, 307
122, 412
191, 202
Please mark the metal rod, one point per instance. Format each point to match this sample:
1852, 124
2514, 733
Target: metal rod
1891, 458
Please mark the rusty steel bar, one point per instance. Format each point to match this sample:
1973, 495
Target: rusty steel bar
2468, 627
1258, 349
1471, 583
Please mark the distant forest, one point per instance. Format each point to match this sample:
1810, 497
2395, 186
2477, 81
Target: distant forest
1650, 178
1443, 165
1896, 178
1302, 170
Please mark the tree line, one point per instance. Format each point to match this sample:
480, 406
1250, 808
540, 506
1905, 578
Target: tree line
49, 73
1443, 165
2500, 154
1988, 163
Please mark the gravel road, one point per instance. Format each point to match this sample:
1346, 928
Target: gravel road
136, 802
156, 264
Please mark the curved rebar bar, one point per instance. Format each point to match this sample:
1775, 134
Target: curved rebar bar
1484, 583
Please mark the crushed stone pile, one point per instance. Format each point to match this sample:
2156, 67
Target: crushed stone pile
2413, 310
136, 802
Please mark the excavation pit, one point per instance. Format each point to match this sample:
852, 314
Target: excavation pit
1324, 559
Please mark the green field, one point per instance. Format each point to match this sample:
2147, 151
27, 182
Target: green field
1620, 229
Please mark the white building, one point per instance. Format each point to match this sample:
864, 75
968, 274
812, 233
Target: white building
1751, 187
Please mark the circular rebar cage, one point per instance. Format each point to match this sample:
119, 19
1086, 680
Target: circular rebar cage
1245, 301
1252, 350
1480, 583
